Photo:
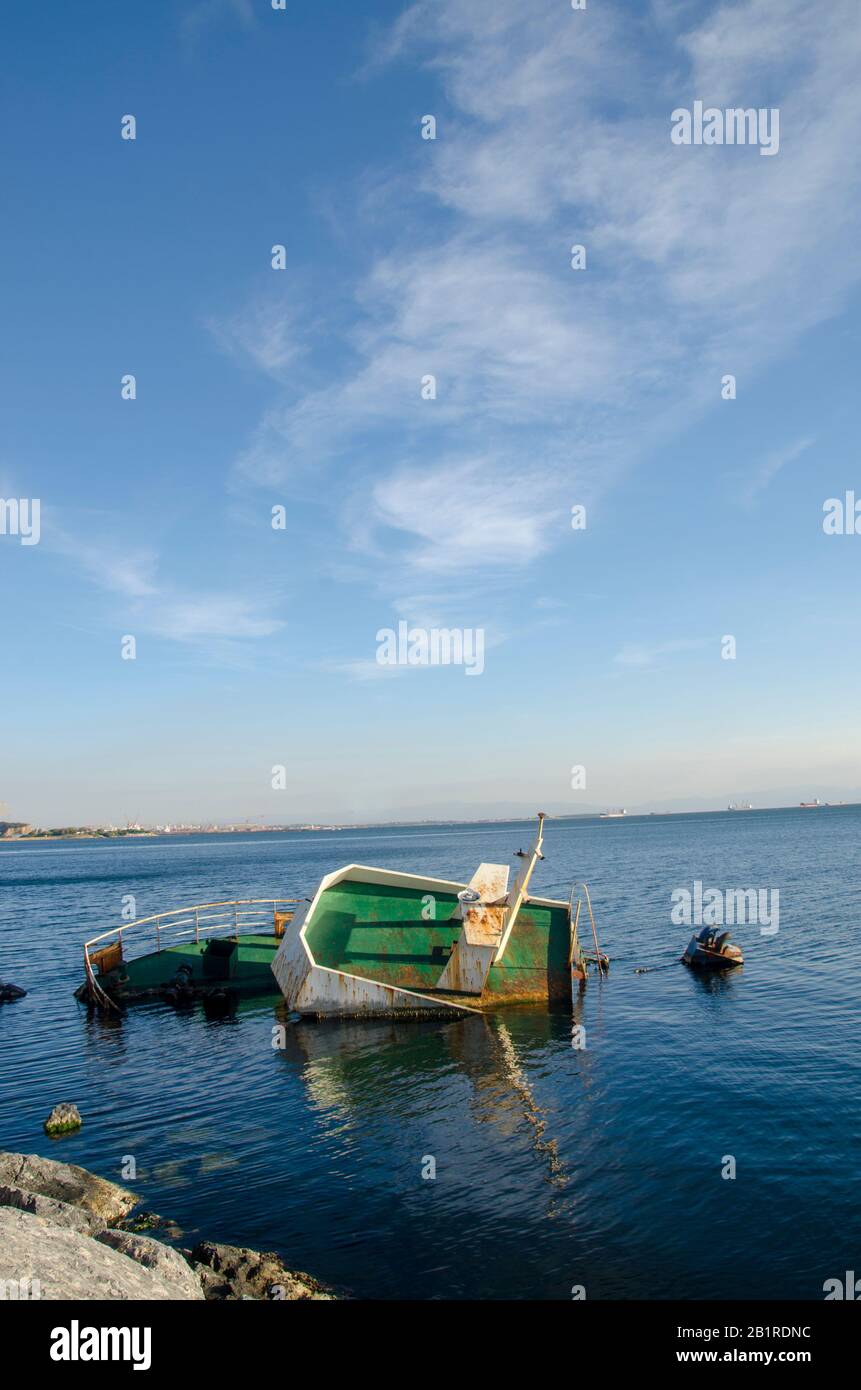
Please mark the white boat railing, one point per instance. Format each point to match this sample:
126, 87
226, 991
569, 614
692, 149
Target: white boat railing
203, 921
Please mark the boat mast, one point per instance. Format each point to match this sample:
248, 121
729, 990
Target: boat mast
521, 883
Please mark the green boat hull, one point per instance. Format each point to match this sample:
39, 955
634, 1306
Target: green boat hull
378, 932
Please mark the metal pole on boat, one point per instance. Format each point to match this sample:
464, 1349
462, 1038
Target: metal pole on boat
574, 926
518, 892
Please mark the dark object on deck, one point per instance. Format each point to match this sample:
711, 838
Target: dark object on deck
219, 959
219, 1003
712, 950
181, 988
10, 992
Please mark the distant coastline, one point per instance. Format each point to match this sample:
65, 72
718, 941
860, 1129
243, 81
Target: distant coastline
77, 835
90, 833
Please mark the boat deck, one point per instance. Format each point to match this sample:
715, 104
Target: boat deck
379, 933
244, 965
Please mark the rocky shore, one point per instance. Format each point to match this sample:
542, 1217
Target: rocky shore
62, 1236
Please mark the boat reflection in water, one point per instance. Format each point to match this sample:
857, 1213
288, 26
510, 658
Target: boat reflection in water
357, 1069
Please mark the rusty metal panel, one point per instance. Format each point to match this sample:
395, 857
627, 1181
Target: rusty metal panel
334, 992
467, 968
490, 881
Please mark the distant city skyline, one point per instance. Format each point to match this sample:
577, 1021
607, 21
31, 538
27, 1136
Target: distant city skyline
496, 811
571, 400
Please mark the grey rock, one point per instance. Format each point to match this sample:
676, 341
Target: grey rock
214, 1287
68, 1265
234, 1272
10, 992
60, 1213
167, 1263
53, 1237
67, 1183
63, 1119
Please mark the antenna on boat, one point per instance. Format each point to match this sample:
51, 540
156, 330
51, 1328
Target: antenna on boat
518, 892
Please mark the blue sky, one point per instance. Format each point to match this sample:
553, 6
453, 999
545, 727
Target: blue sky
302, 388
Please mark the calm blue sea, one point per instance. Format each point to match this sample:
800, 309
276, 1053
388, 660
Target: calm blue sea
555, 1166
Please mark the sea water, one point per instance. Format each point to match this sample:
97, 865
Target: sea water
674, 1135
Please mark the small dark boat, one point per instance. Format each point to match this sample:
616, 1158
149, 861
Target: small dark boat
712, 950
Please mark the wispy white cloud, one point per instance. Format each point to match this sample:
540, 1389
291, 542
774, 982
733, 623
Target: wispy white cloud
700, 261
205, 12
464, 515
210, 615
716, 237
648, 654
267, 333
369, 669
753, 482
502, 343
130, 574
366, 669
123, 568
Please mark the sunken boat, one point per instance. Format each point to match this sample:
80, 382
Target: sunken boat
370, 942
214, 952
376, 941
